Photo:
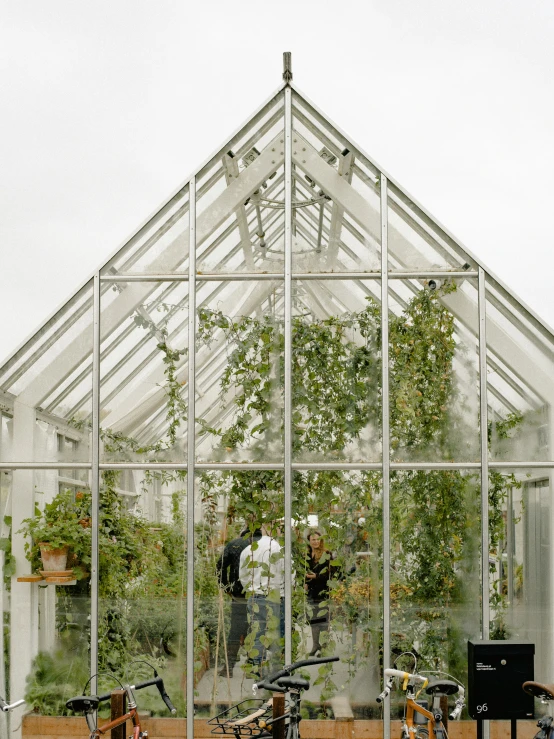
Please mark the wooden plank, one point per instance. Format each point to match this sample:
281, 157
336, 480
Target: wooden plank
342, 710
56, 727
317, 729
278, 730
118, 707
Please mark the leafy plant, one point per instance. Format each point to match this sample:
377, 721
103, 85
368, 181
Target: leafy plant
54, 678
336, 401
9, 559
64, 522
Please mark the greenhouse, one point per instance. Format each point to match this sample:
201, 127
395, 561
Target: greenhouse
290, 345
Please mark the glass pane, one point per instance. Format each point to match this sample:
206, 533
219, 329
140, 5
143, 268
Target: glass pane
433, 376
337, 606
435, 574
58, 348
160, 246
336, 202
520, 367
142, 581
416, 242
240, 201
49, 595
238, 627
7, 568
50, 422
143, 372
239, 371
520, 511
336, 371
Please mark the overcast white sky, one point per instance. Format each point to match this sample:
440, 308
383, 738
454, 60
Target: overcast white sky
106, 107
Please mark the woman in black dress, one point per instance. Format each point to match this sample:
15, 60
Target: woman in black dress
318, 573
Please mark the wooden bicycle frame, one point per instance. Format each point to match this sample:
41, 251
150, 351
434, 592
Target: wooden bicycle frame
132, 714
409, 727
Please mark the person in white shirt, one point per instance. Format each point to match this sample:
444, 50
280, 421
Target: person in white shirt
262, 575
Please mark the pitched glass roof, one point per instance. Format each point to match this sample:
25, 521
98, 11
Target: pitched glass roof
240, 233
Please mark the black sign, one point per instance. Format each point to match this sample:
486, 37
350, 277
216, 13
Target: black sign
496, 672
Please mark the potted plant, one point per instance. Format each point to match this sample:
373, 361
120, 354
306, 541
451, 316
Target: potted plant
59, 533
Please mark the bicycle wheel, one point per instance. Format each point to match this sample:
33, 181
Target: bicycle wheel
422, 733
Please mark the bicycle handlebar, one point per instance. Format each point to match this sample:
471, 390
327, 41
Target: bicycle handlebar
157, 681
270, 682
408, 677
5, 707
459, 705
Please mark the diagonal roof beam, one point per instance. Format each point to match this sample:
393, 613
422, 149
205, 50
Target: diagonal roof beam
346, 162
463, 308
139, 405
231, 167
249, 180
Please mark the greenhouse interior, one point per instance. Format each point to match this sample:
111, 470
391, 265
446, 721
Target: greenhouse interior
290, 347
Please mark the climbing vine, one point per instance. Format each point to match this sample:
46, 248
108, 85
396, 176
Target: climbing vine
336, 400
336, 416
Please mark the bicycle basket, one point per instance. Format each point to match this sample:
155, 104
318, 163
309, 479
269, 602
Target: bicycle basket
226, 722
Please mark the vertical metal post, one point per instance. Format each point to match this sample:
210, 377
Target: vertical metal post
482, 307
95, 480
288, 374
385, 437
191, 455
510, 550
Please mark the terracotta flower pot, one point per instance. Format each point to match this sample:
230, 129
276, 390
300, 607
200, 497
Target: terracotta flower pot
53, 559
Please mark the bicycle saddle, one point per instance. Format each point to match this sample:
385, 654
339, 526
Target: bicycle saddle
442, 687
293, 682
544, 692
83, 703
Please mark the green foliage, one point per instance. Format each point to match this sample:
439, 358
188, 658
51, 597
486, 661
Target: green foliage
422, 386
336, 401
9, 559
54, 678
64, 522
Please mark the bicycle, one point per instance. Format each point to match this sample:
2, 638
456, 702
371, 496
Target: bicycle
88, 705
240, 721
6, 707
418, 721
544, 693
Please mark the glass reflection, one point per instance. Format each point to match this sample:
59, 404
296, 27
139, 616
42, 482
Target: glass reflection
336, 371
239, 583
240, 201
435, 580
160, 246
240, 372
433, 370
519, 372
143, 372
337, 585
520, 533
336, 204
59, 527
142, 581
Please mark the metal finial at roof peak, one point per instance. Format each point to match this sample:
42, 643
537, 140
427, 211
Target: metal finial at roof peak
287, 66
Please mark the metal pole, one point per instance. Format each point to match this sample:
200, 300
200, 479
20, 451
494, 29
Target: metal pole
288, 374
191, 455
510, 550
485, 606
386, 440
95, 481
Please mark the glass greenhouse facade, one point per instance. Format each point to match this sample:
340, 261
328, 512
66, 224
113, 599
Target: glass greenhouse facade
289, 341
